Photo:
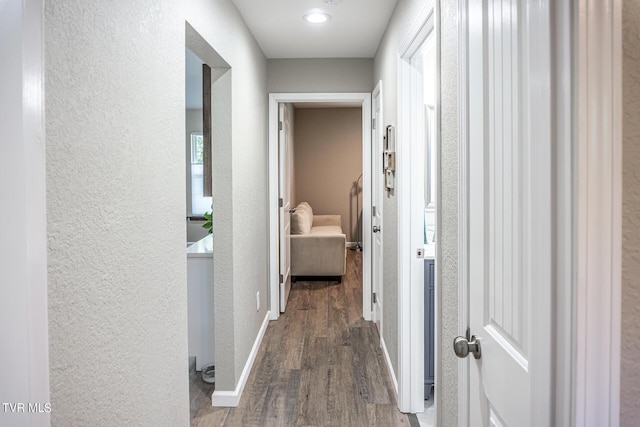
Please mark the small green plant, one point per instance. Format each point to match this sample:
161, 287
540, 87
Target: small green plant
208, 223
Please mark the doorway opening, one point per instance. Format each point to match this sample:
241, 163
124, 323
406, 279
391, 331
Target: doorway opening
207, 150
278, 291
418, 207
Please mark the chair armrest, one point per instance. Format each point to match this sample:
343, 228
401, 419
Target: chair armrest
318, 255
321, 220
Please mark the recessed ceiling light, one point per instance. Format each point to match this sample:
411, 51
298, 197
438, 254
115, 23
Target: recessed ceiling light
317, 17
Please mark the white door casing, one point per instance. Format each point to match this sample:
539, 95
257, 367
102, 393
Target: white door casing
285, 168
363, 99
597, 215
510, 202
23, 246
410, 189
377, 194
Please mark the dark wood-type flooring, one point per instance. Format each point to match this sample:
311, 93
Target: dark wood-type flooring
320, 364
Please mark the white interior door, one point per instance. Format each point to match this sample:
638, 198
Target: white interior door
509, 220
285, 175
377, 193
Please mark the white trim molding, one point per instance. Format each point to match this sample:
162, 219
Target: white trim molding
365, 101
387, 359
463, 208
598, 211
24, 323
232, 398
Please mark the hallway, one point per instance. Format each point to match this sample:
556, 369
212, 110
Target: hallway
319, 365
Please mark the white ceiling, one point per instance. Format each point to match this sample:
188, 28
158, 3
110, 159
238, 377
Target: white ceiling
354, 31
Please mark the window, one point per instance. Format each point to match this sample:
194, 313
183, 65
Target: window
199, 203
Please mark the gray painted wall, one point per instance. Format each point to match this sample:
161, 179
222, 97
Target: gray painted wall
630, 363
319, 75
385, 69
117, 285
240, 185
328, 161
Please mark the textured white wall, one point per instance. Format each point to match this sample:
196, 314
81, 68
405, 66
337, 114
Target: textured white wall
385, 69
320, 75
115, 121
115, 201
630, 364
449, 203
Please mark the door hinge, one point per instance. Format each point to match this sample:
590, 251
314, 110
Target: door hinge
375, 298
373, 123
280, 202
373, 211
281, 278
280, 125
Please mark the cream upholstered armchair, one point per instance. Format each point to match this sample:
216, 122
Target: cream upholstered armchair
318, 247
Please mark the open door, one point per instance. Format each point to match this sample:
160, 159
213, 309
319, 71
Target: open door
509, 340
377, 190
285, 165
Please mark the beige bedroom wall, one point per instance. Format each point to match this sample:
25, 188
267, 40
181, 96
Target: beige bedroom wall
328, 160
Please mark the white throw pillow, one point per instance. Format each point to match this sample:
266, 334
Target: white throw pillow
302, 219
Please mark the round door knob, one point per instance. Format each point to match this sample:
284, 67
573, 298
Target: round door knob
462, 347
376, 229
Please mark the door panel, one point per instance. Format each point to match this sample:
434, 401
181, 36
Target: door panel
502, 239
506, 197
285, 166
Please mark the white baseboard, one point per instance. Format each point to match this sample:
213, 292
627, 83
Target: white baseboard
352, 244
232, 398
387, 360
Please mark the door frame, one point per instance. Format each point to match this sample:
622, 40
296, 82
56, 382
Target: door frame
597, 217
586, 73
364, 99
284, 115
410, 170
24, 306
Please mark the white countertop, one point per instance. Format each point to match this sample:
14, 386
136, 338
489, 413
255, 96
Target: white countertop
201, 248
